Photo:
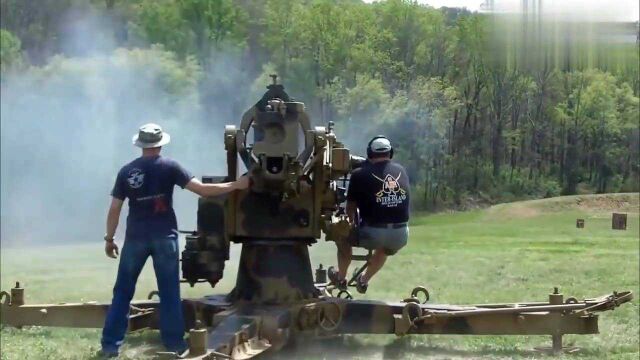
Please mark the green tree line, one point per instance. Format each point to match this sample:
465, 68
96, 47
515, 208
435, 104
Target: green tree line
479, 107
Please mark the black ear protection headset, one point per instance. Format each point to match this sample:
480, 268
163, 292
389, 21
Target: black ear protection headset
371, 153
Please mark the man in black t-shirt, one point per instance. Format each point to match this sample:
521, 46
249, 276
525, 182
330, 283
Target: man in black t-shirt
379, 191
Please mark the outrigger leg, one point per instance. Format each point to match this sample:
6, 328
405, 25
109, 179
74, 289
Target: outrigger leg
221, 329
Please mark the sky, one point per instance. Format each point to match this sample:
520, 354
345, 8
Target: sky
596, 10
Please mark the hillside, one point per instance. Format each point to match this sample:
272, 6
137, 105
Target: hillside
591, 205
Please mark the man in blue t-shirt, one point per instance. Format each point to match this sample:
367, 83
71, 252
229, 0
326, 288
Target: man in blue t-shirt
148, 183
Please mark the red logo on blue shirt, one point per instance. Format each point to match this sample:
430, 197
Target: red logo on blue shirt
159, 205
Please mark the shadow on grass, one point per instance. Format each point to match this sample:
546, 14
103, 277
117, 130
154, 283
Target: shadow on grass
138, 345
349, 347
402, 347
147, 344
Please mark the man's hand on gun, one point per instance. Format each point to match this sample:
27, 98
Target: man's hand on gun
242, 183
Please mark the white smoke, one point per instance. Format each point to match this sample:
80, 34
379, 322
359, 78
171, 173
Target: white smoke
67, 127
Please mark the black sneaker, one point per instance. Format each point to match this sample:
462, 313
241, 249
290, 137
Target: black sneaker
361, 286
332, 273
178, 349
182, 353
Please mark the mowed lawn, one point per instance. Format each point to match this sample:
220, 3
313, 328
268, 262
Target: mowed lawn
507, 253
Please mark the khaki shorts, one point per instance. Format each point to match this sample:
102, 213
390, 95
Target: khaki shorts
372, 238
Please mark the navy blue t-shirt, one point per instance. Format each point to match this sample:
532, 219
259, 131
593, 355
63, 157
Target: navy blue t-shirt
381, 192
148, 183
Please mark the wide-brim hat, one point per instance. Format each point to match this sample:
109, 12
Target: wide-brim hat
150, 136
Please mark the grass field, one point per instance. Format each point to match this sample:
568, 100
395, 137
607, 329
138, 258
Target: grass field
507, 253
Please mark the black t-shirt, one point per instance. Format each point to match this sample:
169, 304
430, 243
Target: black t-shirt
381, 191
148, 184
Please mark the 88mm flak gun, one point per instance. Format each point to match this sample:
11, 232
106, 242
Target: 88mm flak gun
294, 197
295, 171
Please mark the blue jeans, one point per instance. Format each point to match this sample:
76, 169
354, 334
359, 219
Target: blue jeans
134, 254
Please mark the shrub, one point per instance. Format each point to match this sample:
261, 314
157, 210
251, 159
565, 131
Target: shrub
10, 51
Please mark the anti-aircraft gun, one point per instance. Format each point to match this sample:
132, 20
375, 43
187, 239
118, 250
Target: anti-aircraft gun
295, 171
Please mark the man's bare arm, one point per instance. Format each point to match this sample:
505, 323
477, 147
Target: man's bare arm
352, 211
197, 187
110, 247
113, 217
